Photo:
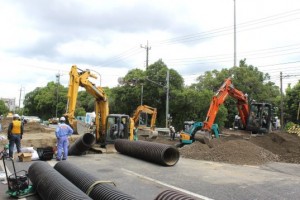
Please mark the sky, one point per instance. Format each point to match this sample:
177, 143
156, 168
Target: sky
41, 39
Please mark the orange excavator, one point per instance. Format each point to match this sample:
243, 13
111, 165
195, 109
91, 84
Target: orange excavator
256, 118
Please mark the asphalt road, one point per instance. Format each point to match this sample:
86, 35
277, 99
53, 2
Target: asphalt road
198, 179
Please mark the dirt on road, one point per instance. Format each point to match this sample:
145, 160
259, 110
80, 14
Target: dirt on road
243, 148
235, 147
35, 135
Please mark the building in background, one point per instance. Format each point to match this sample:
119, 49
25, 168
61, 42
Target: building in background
10, 103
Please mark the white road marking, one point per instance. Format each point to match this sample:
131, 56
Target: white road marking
168, 185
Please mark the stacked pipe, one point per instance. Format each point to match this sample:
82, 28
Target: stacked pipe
50, 184
89, 184
82, 144
170, 195
162, 154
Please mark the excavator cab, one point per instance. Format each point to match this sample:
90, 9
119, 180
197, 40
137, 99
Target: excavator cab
260, 118
187, 125
117, 127
195, 132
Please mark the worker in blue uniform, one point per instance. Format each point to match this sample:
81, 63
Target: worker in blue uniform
62, 132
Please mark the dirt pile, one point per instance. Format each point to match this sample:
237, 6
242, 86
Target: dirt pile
242, 148
35, 135
31, 127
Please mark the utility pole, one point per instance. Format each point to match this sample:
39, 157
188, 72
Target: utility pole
57, 84
147, 53
234, 34
298, 112
167, 98
281, 102
21, 89
142, 91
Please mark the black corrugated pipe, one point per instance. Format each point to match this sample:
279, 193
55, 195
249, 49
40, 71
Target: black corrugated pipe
82, 144
154, 152
50, 184
89, 184
170, 195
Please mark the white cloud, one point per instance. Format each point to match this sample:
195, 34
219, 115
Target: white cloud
42, 38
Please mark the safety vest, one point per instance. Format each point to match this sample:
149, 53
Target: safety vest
16, 127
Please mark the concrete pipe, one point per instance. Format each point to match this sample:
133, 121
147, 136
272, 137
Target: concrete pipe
170, 195
50, 184
162, 154
82, 144
89, 184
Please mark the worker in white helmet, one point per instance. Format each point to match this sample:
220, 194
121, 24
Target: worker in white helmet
62, 132
14, 134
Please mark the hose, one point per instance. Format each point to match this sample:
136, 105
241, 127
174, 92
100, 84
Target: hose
50, 184
82, 144
162, 154
104, 190
170, 195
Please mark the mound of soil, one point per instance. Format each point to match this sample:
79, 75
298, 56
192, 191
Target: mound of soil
30, 127
242, 148
35, 135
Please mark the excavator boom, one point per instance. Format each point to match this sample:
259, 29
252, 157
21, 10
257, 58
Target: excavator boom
78, 78
143, 130
258, 121
218, 99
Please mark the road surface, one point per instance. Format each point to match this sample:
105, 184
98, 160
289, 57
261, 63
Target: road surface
198, 179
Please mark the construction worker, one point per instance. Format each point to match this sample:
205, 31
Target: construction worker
14, 134
62, 132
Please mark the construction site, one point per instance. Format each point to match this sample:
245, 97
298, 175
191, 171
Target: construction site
234, 146
234, 149
113, 150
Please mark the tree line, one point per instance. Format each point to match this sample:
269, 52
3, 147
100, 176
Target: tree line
185, 102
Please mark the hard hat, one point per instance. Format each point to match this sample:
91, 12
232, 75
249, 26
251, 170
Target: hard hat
62, 119
16, 116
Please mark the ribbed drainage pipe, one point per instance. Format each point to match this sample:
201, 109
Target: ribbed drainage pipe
162, 154
170, 195
89, 184
51, 185
82, 144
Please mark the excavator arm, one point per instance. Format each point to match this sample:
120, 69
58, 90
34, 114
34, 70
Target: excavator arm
148, 110
144, 130
208, 126
218, 99
101, 102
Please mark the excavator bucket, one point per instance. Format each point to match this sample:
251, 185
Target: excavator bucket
82, 127
203, 137
147, 133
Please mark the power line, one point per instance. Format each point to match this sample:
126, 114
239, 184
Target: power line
216, 32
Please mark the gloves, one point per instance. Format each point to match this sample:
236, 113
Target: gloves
8, 136
21, 136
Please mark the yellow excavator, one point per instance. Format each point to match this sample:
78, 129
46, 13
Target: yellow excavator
141, 122
105, 124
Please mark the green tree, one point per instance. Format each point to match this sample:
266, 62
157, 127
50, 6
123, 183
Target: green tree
292, 102
3, 108
245, 78
42, 101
